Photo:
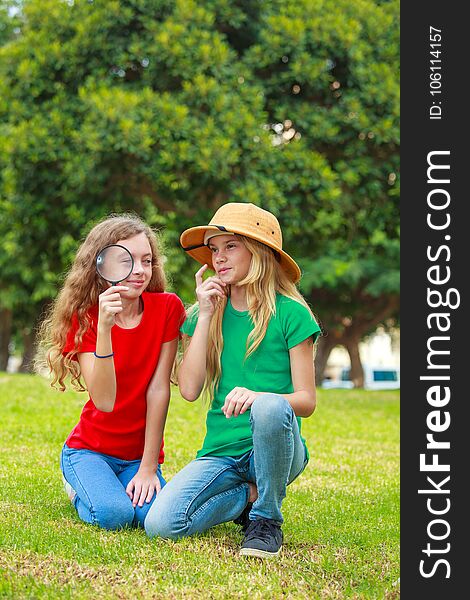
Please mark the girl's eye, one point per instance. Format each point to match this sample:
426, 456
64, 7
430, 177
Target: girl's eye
148, 261
230, 246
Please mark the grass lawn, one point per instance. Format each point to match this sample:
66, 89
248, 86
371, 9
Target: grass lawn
341, 515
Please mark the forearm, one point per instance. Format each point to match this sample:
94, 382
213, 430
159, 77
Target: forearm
157, 410
303, 402
192, 371
304, 399
102, 380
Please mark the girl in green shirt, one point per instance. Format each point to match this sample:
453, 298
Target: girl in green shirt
249, 344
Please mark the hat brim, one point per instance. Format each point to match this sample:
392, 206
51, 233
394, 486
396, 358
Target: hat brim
192, 241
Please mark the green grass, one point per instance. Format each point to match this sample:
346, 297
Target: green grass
341, 515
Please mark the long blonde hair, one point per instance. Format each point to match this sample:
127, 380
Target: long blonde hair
80, 292
265, 279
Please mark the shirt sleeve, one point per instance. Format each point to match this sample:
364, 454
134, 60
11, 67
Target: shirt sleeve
88, 343
298, 323
189, 325
174, 318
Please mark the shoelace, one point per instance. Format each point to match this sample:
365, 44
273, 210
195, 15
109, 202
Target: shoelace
262, 529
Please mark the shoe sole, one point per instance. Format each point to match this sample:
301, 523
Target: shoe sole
258, 553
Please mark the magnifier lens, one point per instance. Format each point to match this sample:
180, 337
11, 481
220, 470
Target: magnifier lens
114, 263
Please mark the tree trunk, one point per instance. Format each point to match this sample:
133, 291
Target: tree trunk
357, 372
324, 348
6, 317
348, 331
28, 352
29, 334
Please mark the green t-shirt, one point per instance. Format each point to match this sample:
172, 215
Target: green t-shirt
267, 369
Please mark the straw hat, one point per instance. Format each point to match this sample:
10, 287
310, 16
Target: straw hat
245, 219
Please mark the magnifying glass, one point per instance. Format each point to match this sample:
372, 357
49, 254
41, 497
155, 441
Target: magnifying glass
114, 263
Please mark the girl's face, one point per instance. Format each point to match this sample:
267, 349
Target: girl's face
230, 257
139, 279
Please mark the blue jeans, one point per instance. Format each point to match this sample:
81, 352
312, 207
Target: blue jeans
214, 489
100, 481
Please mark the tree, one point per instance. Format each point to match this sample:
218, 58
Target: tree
171, 108
8, 23
330, 73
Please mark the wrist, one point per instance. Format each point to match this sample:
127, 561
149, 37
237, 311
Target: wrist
148, 468
204, 319
109, 355
104, 329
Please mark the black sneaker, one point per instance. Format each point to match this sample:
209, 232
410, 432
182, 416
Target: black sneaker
244, 518
263, 538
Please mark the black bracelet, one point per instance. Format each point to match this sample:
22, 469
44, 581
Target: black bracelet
104, 356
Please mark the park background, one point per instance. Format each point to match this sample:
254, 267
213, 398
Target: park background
170, 108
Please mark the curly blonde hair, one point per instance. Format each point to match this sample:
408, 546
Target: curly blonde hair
80, 292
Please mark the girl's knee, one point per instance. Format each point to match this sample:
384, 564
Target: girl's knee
270, 411
114, 515
164, 523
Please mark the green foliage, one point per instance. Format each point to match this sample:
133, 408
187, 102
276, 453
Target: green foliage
341, 515
170, 108
341, 210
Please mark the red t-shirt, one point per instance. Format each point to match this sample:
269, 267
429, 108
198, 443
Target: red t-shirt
121, 433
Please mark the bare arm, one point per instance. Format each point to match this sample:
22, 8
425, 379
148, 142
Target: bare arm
158, 399
304, 398
143, 485
100, 379
99, 373
192, 371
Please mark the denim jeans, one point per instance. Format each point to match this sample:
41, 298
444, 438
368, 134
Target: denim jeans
214, 489
100, 481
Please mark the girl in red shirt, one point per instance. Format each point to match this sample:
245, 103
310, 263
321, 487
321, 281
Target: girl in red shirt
121, 341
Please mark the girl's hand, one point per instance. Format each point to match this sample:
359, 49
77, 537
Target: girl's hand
208, 292
142, 487
238, 401
110, 304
